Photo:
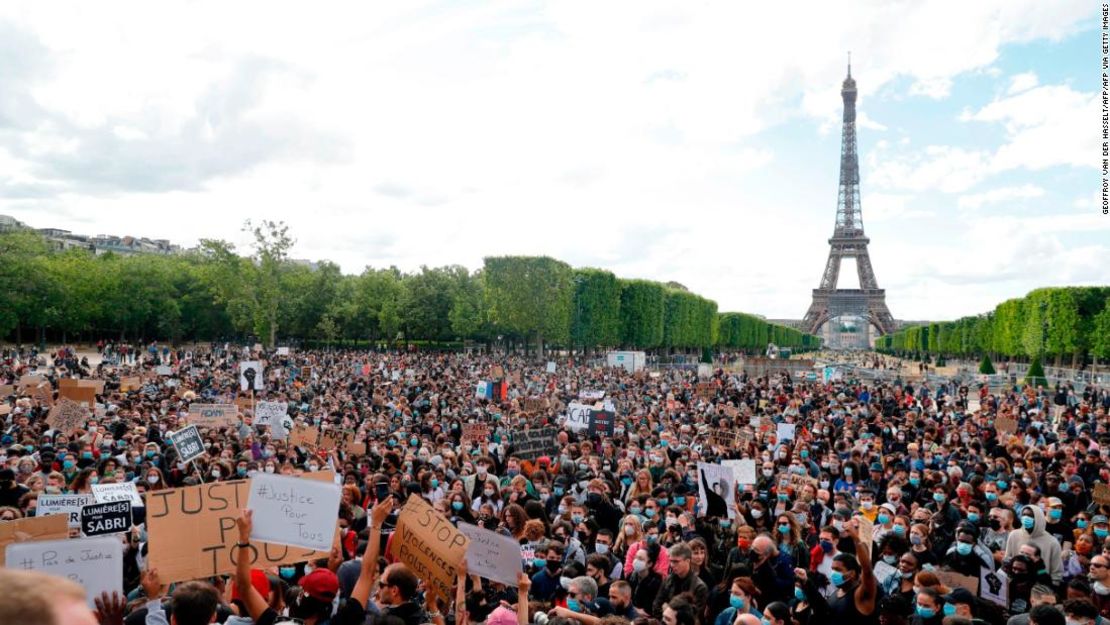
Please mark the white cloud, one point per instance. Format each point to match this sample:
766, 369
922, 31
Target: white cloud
1022, 82
999, 195
935, 168
935, 87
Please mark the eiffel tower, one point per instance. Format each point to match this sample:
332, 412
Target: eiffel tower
848, 241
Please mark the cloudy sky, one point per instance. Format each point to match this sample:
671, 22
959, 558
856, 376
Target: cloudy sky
694, 142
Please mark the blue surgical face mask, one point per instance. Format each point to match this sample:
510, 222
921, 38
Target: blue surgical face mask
1028, 522
949, 609
973, 517
938, 497
680, 501
573, 605
837, 578
1055, 514
1101, 532
663, 501
963, 549
915, 481
1002, 484
736, 602
287, 572
456, 506
784, 529
1081, 523
926, 613
799, 594
883, 519
900, 530
726, 523
992, 496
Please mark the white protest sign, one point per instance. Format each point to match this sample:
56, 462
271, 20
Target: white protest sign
94, 563
578, 416
785, 432
250, 376
743, 471
491, 555
63, 504
163, 370
283, 351
270, 412
594, 395
126, 491
551, 366
483, 390
292, 511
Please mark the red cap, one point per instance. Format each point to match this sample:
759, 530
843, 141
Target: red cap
260, 582
320, 584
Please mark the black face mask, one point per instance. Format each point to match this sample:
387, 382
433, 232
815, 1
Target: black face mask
553, 566
995, 524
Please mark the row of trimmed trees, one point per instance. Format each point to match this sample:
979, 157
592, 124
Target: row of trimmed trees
214, 292
1066, 324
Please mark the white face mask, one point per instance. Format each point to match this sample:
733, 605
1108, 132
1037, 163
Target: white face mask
269, 469
313, 468
756, 514
152, 479
629, 530
216, 473
639, 566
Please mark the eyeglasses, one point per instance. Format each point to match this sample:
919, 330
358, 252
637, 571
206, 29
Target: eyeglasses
572, 594
1095, 565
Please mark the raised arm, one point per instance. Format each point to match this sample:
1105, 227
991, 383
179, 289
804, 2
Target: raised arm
867, 591
523, 585
255, 602
366, 578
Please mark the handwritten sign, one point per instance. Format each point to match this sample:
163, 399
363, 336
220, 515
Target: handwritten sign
192, 531
53, 527
427, 542
132, 383
531, 444
303, 436
550, 366
953, 579
43, 393
785, 432
491, 555
1005, 425
99, 519
1101, 494
704, 390
66, 416
535, 404
283, 351
475, 432
164, 370
68, 505
292, 511
866, 531
188, 443
601, 423
743, 471
578, 416
335, 439
213, 415
270, 413
7, 390
94, 563
124, 491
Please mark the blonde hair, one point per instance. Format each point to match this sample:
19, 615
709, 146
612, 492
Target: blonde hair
29, 597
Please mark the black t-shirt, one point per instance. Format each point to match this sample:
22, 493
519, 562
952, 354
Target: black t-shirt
351, 613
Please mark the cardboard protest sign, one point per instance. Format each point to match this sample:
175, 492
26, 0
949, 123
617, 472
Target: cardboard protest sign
132, 383
213, 415
306, 373
53, 527
7, 390
250, 376
80, 394
335, 439
304, 436
601, 422
953, 579
535, 404
866, 531
94, 563
475, 432
497, 372
192, 531
427, 542
716, 490
491, 555
1101, 494
42, 393
295, 512
728, 439
270, 413
578, 416
67, 416
31, 380
67, 505
1005, 425
123, 491
99, 519
704, 390
188, 443
531, 444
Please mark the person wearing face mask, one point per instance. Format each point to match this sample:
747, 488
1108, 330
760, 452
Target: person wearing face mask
965, 556
644, 578
1032, 532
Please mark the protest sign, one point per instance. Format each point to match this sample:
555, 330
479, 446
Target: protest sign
1101, 494
743, 471
188, 443
192, 531
550, 366
132, 383
798, 482
306, 373
591, 395
716, 490
124, 491
995, 586
106, 518
94, 563
491, 555
213, 415
531, 444
31, 380
429, 545
728, 439
7, 390
270, 413
1005, 425
952, 579
79, 394
475, 432
164, 370
336, 439
866, 531
304, 436
483, 390
497, 372
68, 505
283, 351
67, 416
250, 376
578, 416
43, 393
292, 511
601, 422
785, 432
535, 404
53, 527
704, 390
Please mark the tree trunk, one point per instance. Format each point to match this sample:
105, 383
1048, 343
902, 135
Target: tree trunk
539, 345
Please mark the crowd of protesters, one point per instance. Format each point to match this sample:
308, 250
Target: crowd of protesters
896, 501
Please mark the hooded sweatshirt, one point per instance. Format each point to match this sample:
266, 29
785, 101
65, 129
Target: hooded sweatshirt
1050, 548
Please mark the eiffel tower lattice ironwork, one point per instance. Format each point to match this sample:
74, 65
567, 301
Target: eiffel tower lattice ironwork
848, 241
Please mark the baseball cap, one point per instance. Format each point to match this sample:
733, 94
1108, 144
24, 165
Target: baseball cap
320, 584
1098, 518
260, 582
